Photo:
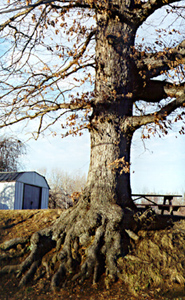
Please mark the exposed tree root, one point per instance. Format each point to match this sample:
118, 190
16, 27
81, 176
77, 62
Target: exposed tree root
86, 241
8, 256
31, 272
13, 243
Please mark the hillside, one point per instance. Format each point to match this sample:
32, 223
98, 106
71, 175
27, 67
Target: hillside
154, 265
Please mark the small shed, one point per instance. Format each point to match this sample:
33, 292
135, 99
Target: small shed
23, 190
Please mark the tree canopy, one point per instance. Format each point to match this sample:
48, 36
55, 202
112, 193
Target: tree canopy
48, 62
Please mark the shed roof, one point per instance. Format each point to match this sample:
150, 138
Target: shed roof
14, 176
10, 176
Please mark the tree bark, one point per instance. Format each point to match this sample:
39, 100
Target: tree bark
109, 178
109, 172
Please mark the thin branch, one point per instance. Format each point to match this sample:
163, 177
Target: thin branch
38, 3
45, 110
13, 18
62, 73
134, 122
80, 4
29, 40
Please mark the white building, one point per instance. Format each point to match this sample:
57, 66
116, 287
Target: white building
23, 190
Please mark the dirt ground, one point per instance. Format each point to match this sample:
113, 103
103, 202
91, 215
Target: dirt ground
156, 260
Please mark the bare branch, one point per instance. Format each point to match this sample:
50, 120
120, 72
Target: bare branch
38, 3
44, 110
62, 73
135, 122
13, 18
72, 4
147, 8
154, 64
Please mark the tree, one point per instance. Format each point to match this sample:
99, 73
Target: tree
65, 181
10, 151
65, 188
51, 51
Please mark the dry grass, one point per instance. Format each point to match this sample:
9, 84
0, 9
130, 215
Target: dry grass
157, 260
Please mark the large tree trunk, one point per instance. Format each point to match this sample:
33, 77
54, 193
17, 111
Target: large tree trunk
109, 173
109, 176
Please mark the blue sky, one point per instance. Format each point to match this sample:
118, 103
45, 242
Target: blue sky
70, 154
159, 168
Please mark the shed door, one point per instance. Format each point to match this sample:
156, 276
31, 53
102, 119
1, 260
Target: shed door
32, 197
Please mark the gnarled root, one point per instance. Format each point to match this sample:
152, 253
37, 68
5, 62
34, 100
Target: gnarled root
91, 262
87, 242
13, 243
41, 243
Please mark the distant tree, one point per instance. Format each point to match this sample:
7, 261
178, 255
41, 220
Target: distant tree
82, 59
65, 188
10, 151
70, 183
